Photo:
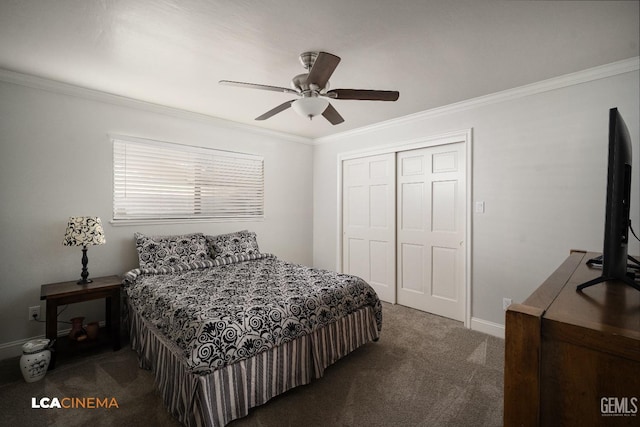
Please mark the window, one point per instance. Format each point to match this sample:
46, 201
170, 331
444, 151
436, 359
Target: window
155, 180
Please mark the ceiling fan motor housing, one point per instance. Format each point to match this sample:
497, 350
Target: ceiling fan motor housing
300, 83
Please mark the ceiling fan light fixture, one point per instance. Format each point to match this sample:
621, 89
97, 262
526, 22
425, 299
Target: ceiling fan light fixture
310, 106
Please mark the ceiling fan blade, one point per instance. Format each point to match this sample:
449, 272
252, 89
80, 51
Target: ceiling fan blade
276, 110
364, 95
332, 115
323, 67
258, 86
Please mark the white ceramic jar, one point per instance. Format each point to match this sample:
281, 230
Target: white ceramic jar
35, 359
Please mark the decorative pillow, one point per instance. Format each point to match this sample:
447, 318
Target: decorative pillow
171, 251
233, 244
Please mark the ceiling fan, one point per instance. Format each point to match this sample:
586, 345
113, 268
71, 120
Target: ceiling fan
312, 88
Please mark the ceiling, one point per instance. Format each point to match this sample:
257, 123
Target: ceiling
174, 52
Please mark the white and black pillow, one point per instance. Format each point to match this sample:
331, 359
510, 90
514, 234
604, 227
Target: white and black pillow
233, 244
177, 252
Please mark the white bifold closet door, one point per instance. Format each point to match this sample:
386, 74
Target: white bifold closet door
431, 194
369, 222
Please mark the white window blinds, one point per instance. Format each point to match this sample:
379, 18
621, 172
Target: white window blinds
155, 180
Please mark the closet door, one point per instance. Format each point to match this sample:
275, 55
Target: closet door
431, 229
369, 222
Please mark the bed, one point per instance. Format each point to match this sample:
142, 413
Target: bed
225, 327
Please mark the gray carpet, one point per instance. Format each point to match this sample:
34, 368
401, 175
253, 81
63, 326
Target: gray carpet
425, 371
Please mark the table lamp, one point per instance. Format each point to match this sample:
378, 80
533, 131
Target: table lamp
83, 231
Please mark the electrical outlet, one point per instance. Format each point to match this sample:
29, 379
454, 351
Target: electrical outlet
506, 302
34, 312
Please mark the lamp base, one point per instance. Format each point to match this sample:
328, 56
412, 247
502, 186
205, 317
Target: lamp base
85, 272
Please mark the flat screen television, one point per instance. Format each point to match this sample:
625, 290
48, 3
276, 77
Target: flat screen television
615, 259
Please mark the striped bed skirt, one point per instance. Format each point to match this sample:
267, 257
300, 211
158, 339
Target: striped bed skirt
228, 393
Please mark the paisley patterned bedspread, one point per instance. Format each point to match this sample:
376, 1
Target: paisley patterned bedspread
226, 313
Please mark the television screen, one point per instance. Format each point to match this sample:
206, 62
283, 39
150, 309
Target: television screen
616, 228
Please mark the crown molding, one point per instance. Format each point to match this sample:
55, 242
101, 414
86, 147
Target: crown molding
588, 75
59, 87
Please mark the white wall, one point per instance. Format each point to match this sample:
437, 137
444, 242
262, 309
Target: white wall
56, 162
539, 164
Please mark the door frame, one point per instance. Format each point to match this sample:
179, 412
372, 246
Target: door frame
465, 136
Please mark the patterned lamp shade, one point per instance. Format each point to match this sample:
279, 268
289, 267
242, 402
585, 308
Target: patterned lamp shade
83, 231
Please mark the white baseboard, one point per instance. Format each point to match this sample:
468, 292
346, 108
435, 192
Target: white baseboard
14, 348
484, 326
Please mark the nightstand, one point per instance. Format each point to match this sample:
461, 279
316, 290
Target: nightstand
70, 293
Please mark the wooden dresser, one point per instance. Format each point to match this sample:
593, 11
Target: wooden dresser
573, 358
